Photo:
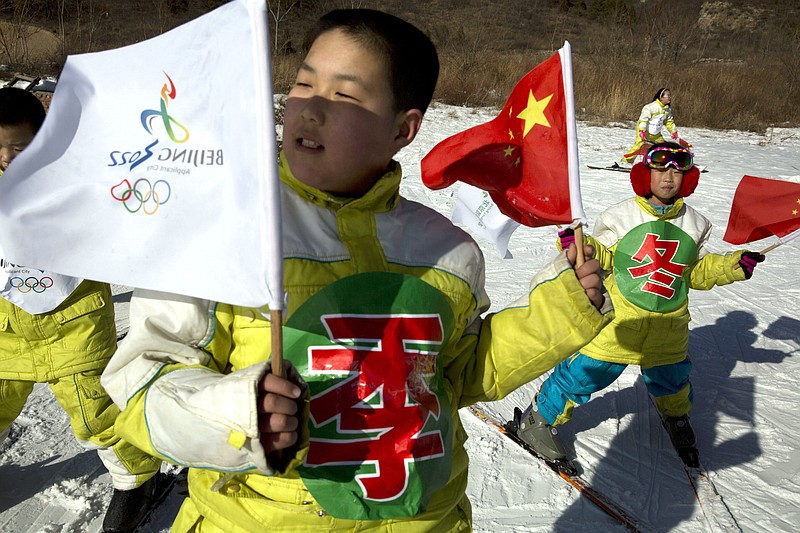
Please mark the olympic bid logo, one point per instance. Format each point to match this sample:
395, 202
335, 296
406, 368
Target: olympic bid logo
31, 283
144, 195
168, 93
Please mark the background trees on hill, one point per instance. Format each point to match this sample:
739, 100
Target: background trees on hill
729, 63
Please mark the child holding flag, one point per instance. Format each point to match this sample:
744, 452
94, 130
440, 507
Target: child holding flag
385, 339
653, 247
60, 330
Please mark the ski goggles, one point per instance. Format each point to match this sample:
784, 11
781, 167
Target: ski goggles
663, 157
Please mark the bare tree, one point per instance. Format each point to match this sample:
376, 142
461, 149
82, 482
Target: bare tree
279, 10
14, 35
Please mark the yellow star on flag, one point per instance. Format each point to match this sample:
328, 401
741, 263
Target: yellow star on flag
534, 113
794, 211
508, 151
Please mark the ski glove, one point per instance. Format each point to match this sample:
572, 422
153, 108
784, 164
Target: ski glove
675, 134
748, 262
566, 237
643, 135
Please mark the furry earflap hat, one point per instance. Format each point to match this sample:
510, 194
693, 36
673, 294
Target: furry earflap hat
640, 175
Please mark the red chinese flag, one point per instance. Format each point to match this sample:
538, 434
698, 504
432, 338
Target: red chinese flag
520, 157
762, 208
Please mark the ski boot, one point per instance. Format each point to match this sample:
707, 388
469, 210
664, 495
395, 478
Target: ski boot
543, 439
683, 440
129, 508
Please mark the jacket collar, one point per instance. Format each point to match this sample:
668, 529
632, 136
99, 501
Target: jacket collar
645, 205
380, 198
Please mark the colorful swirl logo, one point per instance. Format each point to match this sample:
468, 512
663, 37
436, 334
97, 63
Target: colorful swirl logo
31, 283
143, 195
168, 93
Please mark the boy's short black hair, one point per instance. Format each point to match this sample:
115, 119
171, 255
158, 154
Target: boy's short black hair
411, 56
18, 106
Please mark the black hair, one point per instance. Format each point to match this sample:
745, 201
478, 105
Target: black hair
18, 107
659, 93
411, 57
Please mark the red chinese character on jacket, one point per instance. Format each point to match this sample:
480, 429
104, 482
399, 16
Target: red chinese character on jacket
385, 398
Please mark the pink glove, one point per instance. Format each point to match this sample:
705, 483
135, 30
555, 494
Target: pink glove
675, 134
643, 135
748, 262
566, 237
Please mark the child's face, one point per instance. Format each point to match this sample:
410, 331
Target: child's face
665, 185
13, 139
340, 128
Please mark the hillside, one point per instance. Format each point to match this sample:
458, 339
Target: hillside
730, 63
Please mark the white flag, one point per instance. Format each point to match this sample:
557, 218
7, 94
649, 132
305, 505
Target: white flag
475, 209
34, 291
156, 167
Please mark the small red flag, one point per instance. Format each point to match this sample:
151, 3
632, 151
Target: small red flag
521, 156
762, 208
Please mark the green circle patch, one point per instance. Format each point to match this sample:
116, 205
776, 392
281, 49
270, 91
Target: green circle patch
649, 265
379, 416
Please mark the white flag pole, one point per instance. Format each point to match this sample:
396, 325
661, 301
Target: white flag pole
782, 240
576, 202
268, 169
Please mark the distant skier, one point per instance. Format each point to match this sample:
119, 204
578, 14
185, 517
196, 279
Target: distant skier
654, 117
652, 247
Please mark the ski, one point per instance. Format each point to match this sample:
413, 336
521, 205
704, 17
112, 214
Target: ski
715, 511
605, 503
619, 168
614, 168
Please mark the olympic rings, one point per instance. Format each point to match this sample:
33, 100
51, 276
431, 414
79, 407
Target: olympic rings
31, 283
149, 195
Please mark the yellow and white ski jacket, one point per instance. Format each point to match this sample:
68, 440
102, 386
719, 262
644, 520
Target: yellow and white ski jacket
646, 337
187, 372
654, 117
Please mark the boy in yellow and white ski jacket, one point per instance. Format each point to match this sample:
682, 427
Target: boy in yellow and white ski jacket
384, 340
186, 374
653, 249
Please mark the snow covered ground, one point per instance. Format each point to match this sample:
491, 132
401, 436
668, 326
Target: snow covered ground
745, 343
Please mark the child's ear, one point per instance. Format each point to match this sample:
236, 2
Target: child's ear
408, 124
